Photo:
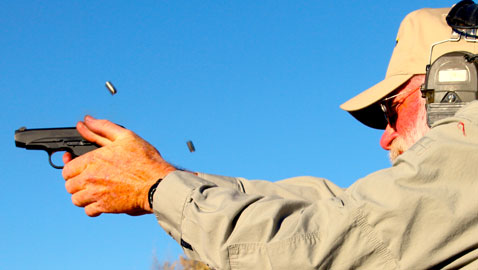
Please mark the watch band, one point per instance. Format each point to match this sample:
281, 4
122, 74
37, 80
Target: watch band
152, 189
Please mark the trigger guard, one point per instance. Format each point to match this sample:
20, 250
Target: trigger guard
51, 162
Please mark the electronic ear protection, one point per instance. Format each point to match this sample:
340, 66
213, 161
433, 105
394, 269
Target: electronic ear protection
450, 83
451, 80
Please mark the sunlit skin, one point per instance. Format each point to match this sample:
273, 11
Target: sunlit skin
411, 123
115, 178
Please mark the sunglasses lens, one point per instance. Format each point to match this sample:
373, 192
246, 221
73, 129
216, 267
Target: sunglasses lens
388, 113
384, 110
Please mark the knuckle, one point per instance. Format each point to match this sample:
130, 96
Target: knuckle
102, 121
99, 192
90, 181
128, 133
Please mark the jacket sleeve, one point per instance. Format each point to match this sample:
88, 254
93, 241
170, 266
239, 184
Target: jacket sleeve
232, 223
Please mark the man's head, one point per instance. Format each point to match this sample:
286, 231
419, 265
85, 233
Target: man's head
406, 116
398, 95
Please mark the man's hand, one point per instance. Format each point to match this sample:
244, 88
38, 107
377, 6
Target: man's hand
116, 177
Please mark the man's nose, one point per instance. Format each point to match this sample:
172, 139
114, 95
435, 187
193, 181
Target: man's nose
387, 137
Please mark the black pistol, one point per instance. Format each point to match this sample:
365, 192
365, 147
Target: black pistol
53, 140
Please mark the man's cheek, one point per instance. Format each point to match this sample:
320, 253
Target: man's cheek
405, 123
408, 116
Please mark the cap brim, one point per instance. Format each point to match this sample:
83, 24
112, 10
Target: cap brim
364, 106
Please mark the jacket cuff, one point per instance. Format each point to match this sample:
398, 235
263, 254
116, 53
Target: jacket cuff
170, 198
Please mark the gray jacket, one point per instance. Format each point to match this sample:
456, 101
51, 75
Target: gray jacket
422, 213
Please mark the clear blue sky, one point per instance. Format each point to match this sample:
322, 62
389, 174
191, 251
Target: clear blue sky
256, 85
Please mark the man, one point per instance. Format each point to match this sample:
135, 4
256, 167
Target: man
421, 213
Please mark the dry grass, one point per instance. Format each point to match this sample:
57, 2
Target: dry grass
183, 264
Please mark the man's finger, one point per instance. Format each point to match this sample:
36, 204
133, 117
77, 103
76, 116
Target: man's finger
67, 157
82, 198
105, 128
76, 166
73, 185
93, 210
90, 135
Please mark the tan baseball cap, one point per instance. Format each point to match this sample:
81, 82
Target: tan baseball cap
416, 35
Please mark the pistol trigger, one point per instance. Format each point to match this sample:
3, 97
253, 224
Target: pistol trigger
51, 162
